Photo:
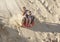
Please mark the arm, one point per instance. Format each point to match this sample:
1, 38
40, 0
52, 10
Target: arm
24, 13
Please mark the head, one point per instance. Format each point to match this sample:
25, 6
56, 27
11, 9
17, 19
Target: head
24, 8
30, 13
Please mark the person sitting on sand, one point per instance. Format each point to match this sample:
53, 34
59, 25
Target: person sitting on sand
25, 15
31, 18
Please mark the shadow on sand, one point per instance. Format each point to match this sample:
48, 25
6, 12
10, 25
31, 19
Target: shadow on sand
45, 27
8, 34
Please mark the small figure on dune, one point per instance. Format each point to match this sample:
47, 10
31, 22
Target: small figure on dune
31, 18
25, 15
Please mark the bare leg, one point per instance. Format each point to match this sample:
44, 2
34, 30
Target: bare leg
32, 19
29, 20
26, 21
23, 20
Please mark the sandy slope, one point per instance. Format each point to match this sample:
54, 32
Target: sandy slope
47, 22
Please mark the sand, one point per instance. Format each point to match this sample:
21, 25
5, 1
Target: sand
47, 21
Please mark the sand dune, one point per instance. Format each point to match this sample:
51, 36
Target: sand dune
47, 21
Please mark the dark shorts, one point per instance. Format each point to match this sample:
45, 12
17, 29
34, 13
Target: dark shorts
32, 19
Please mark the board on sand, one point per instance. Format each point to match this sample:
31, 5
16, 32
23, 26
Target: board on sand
28, 25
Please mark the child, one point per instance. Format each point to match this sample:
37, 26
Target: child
25, 16
31, 18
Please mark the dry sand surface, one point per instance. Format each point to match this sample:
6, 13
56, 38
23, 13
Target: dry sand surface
47, 21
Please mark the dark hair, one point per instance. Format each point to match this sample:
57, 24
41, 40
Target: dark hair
29, 11
24, 7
